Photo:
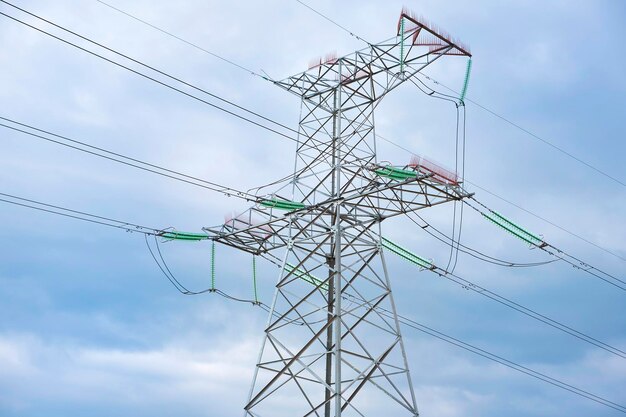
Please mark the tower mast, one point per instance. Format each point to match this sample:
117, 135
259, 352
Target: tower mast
332, 346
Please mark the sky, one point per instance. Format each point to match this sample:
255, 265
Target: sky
90, 326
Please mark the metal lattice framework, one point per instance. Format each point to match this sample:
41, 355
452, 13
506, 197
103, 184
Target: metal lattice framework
332, 343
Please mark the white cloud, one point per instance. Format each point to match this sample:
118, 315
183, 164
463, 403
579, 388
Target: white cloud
38, 372
74, 335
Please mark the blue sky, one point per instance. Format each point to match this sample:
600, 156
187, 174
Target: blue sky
90, 327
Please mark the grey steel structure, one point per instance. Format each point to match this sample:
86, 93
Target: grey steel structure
332, 344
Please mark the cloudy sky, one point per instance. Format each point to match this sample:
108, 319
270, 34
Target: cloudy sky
89, 326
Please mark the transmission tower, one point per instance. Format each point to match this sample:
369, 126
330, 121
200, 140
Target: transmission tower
332, 344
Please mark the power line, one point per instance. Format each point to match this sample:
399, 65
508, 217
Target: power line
126, 160
508, 363
159, 72
213, 54
118, 224
162, 264
456, 241
129, 227
333, 22
442, 237
168, 85
548, 221
75, 214
348, 31
564, 256
136, 61
554, 251
534, 135
464, 283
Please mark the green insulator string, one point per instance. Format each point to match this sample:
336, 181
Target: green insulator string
406, 254
468, 71
256, 294
213, 265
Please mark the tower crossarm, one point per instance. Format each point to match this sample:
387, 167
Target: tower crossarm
389, 197
378, 64
385, 65
388, 192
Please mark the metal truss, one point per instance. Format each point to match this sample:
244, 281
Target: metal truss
329, 347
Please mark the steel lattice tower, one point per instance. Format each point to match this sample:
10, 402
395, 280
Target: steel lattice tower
332, 344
